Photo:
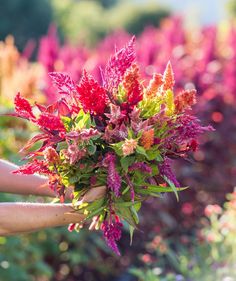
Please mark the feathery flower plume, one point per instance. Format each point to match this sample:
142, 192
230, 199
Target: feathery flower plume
117, 66
168, 78
147, 139
154, 85
23, 108
129, 146
91, 95
185, 100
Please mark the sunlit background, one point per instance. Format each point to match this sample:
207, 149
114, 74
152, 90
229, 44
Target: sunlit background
190, 240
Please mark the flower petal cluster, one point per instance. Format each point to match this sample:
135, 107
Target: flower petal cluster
122, 135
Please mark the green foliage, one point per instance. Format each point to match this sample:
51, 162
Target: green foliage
89, 21
134, 18
24, 19
232, 7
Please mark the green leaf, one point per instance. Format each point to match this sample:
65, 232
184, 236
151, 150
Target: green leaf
126, 190
91, 149
158, 189
62, 145
117, 147
173, 187
67, 122
125, 213
134, 214
126, 162
125, 204
131, 233
83, 120
153, 153
141, 150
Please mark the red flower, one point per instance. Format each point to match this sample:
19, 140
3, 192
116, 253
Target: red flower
36, 166
50, 122
63, 82
23, 108
91, 95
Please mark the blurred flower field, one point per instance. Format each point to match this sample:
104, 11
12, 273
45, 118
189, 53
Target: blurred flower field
193, 239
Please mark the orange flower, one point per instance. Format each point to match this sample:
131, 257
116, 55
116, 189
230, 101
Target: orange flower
50, 155
129, 146
168, 78
147, 139
154, 85
185, 100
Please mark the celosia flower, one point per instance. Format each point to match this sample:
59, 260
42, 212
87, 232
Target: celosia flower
189, 128
143, 167
63, 82
50, 155
74, 154
168, 78
22, 108
185, 100
147, 139
113, 178
117, 66
165, 170
112, 233
132, 86
129, 146
154, 85
50, 122
92, 96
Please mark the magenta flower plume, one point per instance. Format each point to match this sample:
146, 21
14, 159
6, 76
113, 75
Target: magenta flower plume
113, 178
91, 95
141, 166
166, 171
112, 233
63, 82
117, 66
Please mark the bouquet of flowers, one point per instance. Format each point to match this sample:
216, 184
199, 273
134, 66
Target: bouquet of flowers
121, 135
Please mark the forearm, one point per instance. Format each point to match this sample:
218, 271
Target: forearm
17, 218
22, 184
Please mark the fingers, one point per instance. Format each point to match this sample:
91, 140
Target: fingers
94, 223
94, 194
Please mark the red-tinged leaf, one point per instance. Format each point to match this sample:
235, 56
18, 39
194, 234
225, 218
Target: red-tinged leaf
118, 65
50, 122
23, 108
33, 140
63, 82
91, 95
36, 166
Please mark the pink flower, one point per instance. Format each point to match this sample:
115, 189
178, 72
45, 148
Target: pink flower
113, 178
112, 233
23, 108
117, 66
129, 146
